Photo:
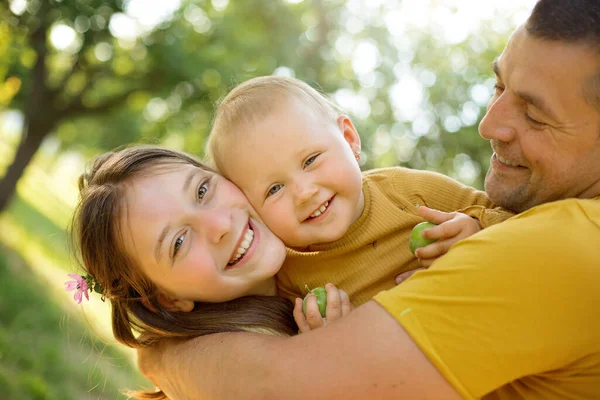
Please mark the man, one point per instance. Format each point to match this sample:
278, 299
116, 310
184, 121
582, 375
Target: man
510, 312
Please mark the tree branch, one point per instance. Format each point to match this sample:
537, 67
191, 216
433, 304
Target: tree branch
77, 108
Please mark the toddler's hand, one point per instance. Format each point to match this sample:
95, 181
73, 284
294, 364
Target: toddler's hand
451, 227
338, 306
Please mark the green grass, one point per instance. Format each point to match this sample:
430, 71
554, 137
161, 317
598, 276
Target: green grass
50, 347
39, 229
45, 353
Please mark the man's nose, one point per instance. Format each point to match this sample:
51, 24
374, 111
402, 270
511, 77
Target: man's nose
499, 122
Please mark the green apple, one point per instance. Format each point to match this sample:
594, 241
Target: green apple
321, 295
416, 236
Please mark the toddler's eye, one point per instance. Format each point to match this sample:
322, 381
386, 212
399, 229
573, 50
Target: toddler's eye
310, 160
274, 189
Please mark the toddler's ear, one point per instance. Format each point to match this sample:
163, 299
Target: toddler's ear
174, 305
349, 131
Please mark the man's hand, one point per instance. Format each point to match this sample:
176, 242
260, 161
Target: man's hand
338, 306
451, 227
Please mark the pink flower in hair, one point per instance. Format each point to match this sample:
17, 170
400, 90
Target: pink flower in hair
80, 285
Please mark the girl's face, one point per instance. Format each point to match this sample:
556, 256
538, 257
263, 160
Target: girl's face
196, 236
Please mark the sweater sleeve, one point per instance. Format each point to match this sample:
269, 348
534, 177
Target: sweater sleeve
442, 193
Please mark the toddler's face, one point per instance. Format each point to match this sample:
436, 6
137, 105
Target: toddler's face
300, 173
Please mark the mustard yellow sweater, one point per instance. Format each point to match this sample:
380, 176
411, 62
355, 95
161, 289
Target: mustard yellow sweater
375, 250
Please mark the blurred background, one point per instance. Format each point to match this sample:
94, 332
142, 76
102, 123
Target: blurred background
79, 77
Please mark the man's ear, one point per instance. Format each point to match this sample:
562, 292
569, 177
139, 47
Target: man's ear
170, 304
349, 132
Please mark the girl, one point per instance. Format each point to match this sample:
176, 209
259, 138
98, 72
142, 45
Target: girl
177, 250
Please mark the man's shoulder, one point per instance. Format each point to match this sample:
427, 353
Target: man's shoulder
568, 211
556, 234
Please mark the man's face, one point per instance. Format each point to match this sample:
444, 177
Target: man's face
545, 135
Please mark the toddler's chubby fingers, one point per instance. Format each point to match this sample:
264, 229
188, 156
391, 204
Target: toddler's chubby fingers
435, 216
405, 275
446, 229
433, 250
347, 305
313, 316
299, 317
334, 303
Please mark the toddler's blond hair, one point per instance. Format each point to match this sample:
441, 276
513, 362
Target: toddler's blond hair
255, 99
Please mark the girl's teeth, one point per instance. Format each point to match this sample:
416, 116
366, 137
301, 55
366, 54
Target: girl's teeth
245, 244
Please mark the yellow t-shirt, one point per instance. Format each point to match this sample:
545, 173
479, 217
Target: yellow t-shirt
513, 311
375, 250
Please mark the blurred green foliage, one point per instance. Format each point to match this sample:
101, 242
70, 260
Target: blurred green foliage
79, 75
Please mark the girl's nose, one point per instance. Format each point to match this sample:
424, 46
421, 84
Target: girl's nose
215, 223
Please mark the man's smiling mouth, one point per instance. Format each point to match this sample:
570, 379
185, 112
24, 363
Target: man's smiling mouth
506, 162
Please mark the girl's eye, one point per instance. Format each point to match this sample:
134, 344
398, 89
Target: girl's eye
498, 88
178, 244
310, 160
202, 190
274, 189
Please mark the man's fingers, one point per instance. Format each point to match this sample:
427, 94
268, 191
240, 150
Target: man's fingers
405, 275
426, 262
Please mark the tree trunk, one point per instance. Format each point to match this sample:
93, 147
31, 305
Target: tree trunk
31, 139
40, 118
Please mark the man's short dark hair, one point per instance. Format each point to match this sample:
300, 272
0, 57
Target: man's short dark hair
574, 21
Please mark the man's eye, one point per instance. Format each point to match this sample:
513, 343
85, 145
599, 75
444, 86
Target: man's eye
202, 190
533, 121
310, 160
498, 89
274, 189
178, 244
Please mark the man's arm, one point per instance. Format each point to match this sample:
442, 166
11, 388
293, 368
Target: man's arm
364, 355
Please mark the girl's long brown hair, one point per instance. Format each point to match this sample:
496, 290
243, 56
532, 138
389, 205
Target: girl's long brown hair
96, 238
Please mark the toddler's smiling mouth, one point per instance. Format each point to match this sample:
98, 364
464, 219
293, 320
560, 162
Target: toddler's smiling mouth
322, 209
